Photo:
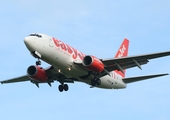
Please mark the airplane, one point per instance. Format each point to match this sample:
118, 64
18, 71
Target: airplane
68, 65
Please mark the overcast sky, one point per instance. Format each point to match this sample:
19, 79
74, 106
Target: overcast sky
94, 27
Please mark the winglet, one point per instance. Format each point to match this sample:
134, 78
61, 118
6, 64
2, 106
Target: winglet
122, 52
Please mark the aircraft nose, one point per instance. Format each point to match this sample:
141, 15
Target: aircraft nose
28, 42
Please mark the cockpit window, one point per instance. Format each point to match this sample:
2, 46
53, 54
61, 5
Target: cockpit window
34, 34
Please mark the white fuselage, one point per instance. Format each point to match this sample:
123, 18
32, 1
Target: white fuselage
62, 57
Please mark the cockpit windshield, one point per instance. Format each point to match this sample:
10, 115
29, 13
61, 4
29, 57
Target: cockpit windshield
35, 34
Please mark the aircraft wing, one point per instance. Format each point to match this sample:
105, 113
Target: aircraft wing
131, 61
140, 78
18, 79
52, 75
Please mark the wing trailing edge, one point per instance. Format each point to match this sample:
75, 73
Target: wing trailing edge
140, 78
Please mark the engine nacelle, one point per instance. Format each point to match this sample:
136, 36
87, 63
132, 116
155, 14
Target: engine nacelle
37, 73
93, 64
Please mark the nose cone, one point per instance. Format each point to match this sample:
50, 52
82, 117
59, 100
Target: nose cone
28, 42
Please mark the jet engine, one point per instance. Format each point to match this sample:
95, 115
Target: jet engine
37, 73
93, 64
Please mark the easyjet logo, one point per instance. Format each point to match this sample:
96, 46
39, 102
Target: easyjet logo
121, 51
75, 53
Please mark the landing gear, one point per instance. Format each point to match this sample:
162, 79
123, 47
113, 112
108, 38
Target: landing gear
98, 82
95, 82
63, 87
37, 55
60, 88
38, 62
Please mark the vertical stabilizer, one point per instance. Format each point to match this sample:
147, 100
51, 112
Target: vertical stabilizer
122, 52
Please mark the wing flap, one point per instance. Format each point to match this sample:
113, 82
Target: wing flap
131, 61
140, 78
138, 58
126, 65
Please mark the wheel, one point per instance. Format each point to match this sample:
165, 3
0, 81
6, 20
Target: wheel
98, 82
93, 82
60, 88
38, 62
65, 87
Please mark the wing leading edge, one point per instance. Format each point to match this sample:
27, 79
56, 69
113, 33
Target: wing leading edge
131, 61
140, 78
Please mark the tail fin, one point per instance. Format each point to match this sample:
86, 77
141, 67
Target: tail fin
122, 52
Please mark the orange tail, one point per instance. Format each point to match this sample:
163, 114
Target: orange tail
122, 52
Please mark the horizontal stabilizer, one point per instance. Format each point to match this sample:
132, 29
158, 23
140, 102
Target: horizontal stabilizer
140, 78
